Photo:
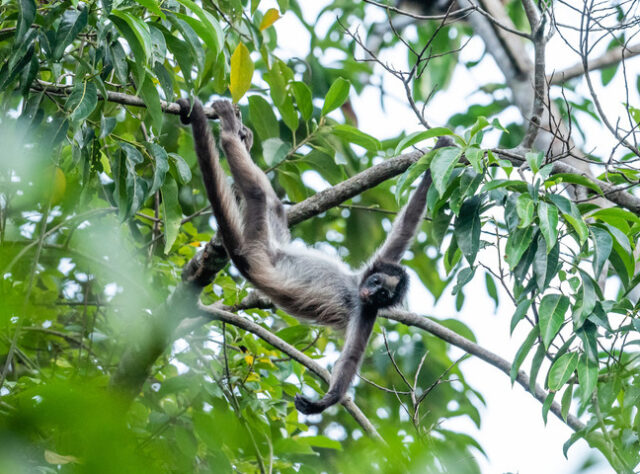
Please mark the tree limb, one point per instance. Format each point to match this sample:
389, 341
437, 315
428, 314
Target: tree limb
609, 58
219, 314
412, 319
116, 97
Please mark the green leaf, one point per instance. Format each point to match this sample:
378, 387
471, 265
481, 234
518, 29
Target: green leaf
586, 300
336, 96
517, 244
180, 168
551, 316
303, 97
522, 353
467, 228
262, 117
565, 403
587, 376
574, 179
612, 215
464, 276
325, 164
588, 334
561, 370
475, 155
322, 442
442, 166
274, 151
541, 265
481, 123
548, 217
138, 36
153, 7
171, 212
151, 99
208, 28
27, 13
510, 184
72, 23
82, 100
417, 137
519, 314
491, 288
579, 226
289, 113
289, 178
602, 246
353, 135
534, 160
130, 189
547, 405
161, 162
536, 363
525, 208
241, 72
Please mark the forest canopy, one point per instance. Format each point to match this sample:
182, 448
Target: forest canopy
129, 343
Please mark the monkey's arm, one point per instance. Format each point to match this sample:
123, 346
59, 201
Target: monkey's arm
222, 200
406, 224
355, 343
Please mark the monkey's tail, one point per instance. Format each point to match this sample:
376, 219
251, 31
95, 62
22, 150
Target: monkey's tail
358, 333
222, 200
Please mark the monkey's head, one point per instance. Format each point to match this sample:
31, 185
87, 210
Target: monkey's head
383, 285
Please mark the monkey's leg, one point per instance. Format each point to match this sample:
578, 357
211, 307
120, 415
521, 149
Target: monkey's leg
264, 213
219, 193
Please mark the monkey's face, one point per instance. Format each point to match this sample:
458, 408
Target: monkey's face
381, 289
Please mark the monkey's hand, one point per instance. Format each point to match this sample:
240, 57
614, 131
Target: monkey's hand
186, 110
306, 406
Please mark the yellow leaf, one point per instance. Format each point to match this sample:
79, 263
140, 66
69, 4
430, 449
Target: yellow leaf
241, 72
55, 458
270, 17
266, 360
253, 377
248, 359
56, 186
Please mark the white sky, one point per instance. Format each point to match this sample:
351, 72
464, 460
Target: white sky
513, 433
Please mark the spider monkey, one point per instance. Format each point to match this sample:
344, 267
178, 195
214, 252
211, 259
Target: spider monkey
302, 281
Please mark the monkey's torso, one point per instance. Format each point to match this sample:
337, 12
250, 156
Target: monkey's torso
316, 286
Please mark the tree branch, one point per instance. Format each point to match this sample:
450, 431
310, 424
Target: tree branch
115, 97
412, 319
609, 58
219, 314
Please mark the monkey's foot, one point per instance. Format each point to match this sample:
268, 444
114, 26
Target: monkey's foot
306, 406
228, 116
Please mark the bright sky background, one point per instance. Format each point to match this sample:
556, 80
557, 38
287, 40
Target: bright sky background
513, 433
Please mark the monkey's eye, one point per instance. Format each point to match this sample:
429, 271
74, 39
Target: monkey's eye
375, 280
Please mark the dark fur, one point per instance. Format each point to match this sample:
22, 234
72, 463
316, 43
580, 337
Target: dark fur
302, 281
